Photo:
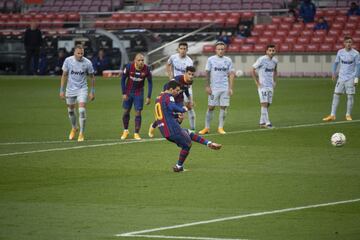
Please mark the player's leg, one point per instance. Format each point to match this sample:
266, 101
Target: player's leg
224, 99
213, 100
152, 127
350, 92
138, 105
184, 142
82, 100
127, 104
199, 139
339, 89
191, 112
70, 101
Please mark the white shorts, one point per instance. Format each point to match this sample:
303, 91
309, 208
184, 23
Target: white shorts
81, 97
345, 87
265, 94
186, 99
219, 98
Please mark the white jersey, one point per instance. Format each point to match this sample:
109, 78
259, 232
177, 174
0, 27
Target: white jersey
179, 64
266, 67
348, 61
219, 68
77, 72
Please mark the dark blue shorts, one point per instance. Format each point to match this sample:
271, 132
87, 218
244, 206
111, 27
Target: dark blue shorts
138, 102
182, 140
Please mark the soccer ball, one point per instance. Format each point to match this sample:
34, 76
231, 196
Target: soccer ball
338, 139
239, 73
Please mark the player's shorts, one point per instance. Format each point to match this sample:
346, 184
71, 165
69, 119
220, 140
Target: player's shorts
265, 94
138, 102
182, 140
186, 99
80, 97
345, 87
219, 98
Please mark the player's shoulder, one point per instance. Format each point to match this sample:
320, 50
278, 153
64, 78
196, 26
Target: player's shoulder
274, 59
86, 60
227, 59
355, 51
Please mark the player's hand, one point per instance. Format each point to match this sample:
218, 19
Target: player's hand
189, 105
185, 108
62, 95
91, 96
208, 90
333, 78
147, 101
181, 117
125, 97
230, 92
258, 85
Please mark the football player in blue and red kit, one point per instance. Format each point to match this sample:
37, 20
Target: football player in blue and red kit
132, 86
170, 128
185, 82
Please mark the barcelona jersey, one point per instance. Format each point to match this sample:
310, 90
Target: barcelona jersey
165, 106
132, 80
184, 86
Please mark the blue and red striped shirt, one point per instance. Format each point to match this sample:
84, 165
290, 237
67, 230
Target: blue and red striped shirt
165, 107
184, 86
132, 80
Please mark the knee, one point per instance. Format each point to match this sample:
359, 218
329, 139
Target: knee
138, 113
211, 108
82, 112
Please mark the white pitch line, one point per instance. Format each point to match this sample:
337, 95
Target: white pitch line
159, 139
139, 233
185, 237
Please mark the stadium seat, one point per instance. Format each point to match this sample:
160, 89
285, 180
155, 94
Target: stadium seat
264, 40
294, 33
233, 48
238, 40
290, 40
297, 26
340, 19
317, 39
251, 40
272, 27
337, 25
330, 39
281, 33
284, 26
307, 33
334, 32
285, 47
303, 40
326, 47
347, 32
351, 25
277, 40
299, 48
309, 26
268, 33
338, 46
207, 48
320, 33
259, 27
246, 48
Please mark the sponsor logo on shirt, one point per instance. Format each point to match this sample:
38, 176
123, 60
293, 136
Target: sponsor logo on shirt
269, 70
347, 62
223, 69
77, 72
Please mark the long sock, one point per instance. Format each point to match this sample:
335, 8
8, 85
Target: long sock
350, 104
265, 114
222, 116
192, 119
197, 138
137, 123
184, 152
209, 115
126, 119
82, 119
72, 117
335, 103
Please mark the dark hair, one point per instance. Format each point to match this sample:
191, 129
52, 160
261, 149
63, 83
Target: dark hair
190, 69
183, 44
347, 38
172, 84
270, 46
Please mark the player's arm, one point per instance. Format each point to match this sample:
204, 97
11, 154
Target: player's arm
92, 89
190, 104
334, 66
207, 82
231, 82
173, 107
255, 77
123, 84
169, 70
357, 75
275, 76
63, 81
150, 85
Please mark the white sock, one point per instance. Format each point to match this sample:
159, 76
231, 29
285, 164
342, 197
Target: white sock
72, 117
335, 103
222, 116
82, 119
209, 115
263, 115
350, 104
192, 118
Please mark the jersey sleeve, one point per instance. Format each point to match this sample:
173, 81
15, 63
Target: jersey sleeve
90, 68
257, 64
65, 66
150, 83
337, 59
231, 66
124, 76
208, 65
170, 60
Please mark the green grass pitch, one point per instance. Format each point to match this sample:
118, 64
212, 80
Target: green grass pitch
51, 188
